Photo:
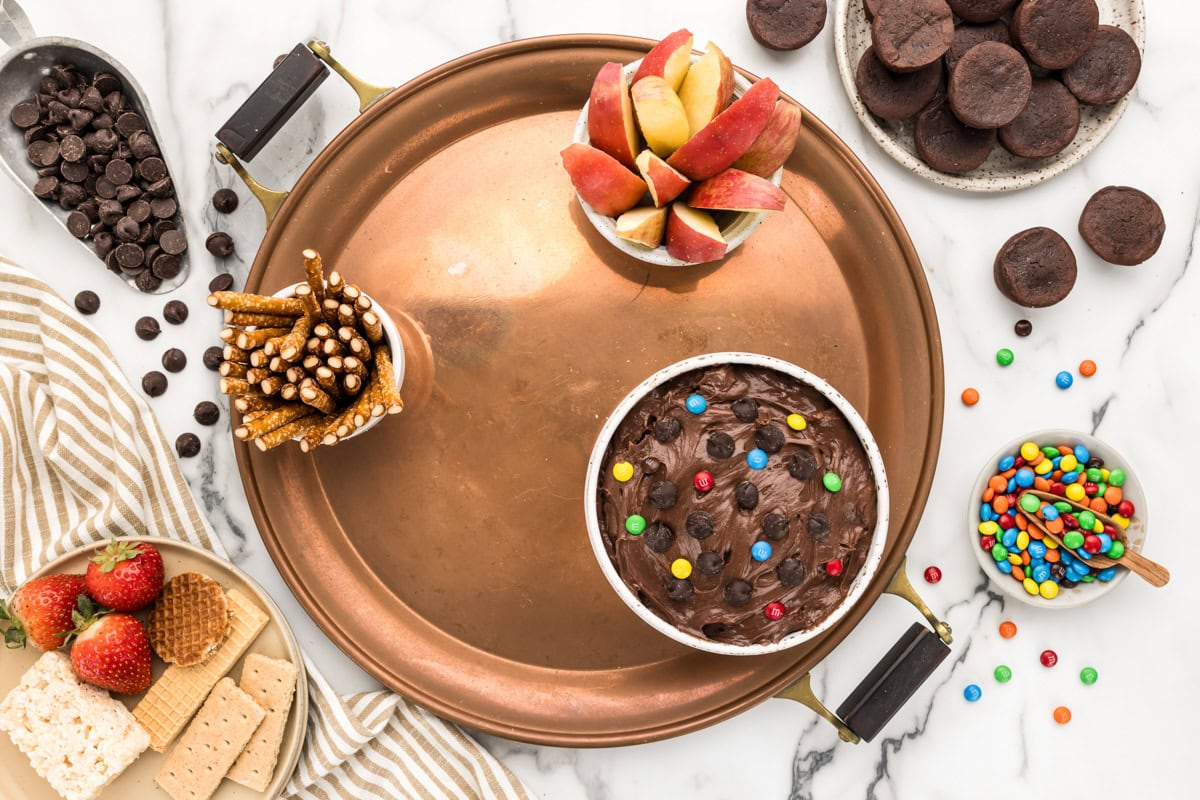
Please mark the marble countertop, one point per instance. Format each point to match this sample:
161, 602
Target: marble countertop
1130, 734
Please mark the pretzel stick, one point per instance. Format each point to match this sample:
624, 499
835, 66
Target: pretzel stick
227, 335
351, 294
293, 343
335, 286
327, 379
246, 319
346, 314
355, 366
237, 386
346, 333
312, 306
270, 420
363, 304
277, 364
257, 375
311, 394
310, 363
258, 337
387, 378
271, 385
294, 374
312, 345
323, 330
315, 272
233, 353
232, 369
336, 363
289, 391
329, 309
360, 348
259, 358
372, 326
333, 432
332, 347
351, 384
255, 405
282, 434
256, 304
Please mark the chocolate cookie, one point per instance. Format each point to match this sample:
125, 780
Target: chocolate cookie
1048, 123
785, 24
1055, 33
1035, 268
912, 34
894, 95
967, 36
1123, 225
980, 10
871, 7
946, 144
990, 85
1107, 71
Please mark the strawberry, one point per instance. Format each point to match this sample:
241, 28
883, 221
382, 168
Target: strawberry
40, 611
112, 652
125, 575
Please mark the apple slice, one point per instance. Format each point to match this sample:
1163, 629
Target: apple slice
734, 190
723, 141
707, 88
665, 182
692, 235
773, 146
611, 125
644, 225
669, 59
600, 179
660, 115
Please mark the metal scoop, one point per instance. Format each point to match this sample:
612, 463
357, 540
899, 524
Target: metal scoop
24, 64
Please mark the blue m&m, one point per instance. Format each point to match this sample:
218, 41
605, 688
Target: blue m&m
756, 459
760, 551
696, 403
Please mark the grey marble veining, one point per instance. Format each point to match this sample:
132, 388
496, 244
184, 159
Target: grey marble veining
198, 61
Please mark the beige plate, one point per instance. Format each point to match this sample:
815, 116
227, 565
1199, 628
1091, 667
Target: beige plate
1002, 172
19, 781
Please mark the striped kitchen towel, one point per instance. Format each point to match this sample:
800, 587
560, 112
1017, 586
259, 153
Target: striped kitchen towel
82, 459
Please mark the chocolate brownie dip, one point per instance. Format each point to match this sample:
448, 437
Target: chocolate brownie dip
1046, 126
911, 34
754, 537
990, 85
1055, 33
1035, 268
1107, 71
1122, 225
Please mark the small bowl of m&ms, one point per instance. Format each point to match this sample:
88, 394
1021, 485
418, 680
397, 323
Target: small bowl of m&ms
1084, 481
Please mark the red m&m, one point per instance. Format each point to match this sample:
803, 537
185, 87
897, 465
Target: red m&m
774, 611
703, 481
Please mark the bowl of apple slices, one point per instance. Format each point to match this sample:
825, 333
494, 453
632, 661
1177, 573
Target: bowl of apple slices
676, 158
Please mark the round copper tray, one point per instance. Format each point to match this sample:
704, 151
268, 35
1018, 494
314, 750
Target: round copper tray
446, 551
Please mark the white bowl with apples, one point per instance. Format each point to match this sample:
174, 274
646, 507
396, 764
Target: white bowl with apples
676, 158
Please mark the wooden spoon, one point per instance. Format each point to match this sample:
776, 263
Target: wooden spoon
1153, 572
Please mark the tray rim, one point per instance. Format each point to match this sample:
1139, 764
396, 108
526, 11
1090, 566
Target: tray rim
371, 663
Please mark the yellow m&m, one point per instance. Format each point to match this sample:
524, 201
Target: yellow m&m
796, 422
622, 471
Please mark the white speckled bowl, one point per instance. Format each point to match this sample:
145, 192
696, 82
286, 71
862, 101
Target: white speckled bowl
736, 231
1082, 593
1002, 172
592, 484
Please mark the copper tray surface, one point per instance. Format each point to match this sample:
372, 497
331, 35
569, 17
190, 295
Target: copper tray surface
446, 551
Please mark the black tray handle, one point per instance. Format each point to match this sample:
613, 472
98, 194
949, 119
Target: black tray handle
889, 685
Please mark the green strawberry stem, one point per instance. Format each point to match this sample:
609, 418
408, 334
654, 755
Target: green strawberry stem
115, 552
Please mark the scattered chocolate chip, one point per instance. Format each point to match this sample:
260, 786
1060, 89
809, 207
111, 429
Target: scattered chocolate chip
817, 526
1023, 327
775, 527
790, 572
166, 266
154, 383
130, 123
802, 465
667, 429
174, 360
118, 171
175, 312
279, 59
87, 302
130, 257
152, 168
222, 283
78, 224
650, 464
173, 242
746, 494
680, 589
745, 409
187, 445
662, 494
72, 149
709, 563
770, 439
225, 201
659, 537
220, 244
127, 229
738, 592
720, 445
213, 356
147, 281
147, 328
163, 208
24, 115
700, 525
207, 412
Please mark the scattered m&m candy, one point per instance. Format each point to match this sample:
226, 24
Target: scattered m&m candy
774, 611
796, 422
1004, 356
622, 471
635, 524
703, 481
972, 692
832, 481
696, 403
681, 568
1008, 629
932, 574
1048, 658
1087, 368
1062, 715
756, 459
760, 551
970, 396
1064, 380
1002, 673
833, 568
1088, 675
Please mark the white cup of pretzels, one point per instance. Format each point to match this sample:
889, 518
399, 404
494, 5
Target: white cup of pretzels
318, 362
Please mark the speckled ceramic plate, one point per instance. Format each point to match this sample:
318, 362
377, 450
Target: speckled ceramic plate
1002, 172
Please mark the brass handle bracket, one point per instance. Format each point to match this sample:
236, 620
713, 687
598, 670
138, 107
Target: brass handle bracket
368, 93
900, 586
269, 199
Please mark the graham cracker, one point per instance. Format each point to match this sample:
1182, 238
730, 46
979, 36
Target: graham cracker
272, 684
174, 697
227, 720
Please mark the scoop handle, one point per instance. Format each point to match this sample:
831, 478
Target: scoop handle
1154, 573
14, 25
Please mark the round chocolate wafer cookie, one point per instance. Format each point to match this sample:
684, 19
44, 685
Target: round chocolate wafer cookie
912, 34
785, 24
1046, 125
1055, 33
895, 95
1107, 71
1122, 225
967, 36
947, 145
990, 85
981, 10
1035, 268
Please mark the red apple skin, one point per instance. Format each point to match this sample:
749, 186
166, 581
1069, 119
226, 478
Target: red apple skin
687, 243
611, 126
600, 179
664, 181
655, 62
774, 145
724, 140
735, 190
